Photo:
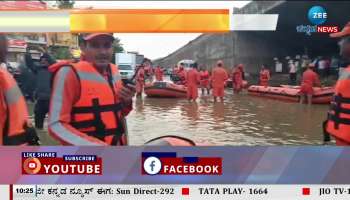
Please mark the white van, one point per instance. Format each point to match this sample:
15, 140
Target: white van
186, 64
126, 63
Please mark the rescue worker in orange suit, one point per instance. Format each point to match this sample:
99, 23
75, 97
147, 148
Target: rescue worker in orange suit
309, 80
218, 78
205, 77
89, 101
338, 123
192, 80
140, 80
264, 76
182, 75
15, 127
159, 73
237, 78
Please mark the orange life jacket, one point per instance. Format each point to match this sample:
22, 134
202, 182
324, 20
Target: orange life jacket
204, 75
98, 110
338, 123
15, 129
264, 75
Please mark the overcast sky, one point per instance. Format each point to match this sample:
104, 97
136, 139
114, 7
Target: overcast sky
157, 45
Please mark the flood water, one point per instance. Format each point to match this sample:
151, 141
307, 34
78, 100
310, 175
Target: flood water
240, 120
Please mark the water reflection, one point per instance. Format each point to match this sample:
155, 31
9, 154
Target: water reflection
240, 120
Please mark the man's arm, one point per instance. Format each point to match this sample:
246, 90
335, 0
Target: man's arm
30, 63
66, 90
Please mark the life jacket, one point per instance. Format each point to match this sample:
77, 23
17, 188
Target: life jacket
264, 75
204, 75
16, 129
97, 112
338, 123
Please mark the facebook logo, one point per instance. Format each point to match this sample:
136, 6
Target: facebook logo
152, 165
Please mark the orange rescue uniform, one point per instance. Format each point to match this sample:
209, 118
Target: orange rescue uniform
14, 112
159, 74
85, 108
338, 123
218, 78
140, 80
264, 77
192, 79
182, 75
237, 79
309, 80
204, 76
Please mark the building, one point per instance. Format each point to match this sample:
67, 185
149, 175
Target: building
63, 45
18, 42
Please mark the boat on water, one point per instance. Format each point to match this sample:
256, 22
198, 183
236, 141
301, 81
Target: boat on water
322, 95
164, 89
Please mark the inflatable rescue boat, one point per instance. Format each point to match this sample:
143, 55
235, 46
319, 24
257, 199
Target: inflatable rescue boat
229, 83
292, 93
165, 89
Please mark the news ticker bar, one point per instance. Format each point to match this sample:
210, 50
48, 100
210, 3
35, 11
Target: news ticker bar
135, 20
139, 192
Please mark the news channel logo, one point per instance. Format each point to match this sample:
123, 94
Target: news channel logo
152, 165
317, 15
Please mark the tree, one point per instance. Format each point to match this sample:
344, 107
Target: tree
117, 48
60, 52
65, 4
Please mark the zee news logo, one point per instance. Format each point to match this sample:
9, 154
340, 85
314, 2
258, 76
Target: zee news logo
317, 15
161, 163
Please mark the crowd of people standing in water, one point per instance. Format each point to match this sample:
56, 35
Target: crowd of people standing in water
196, 78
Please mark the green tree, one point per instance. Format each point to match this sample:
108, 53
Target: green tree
117, 48
65, 4
60, 52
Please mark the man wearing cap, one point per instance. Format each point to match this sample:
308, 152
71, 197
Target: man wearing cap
338, 122
89, 101
309, 80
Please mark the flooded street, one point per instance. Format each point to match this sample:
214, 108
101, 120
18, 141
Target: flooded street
240, 120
